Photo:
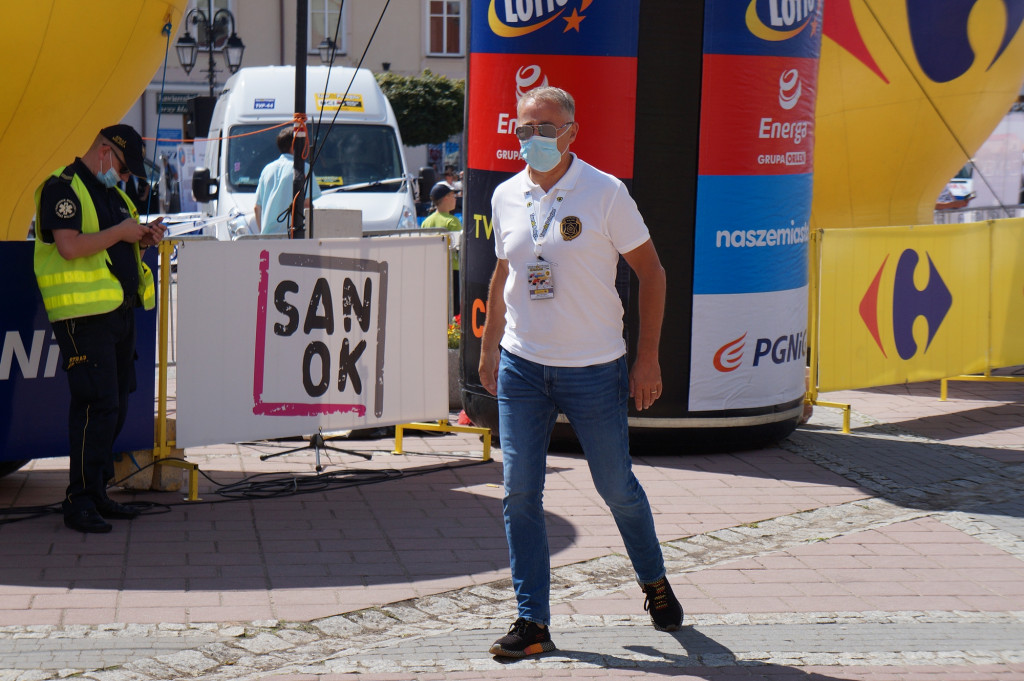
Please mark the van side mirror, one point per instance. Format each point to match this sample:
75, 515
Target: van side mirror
204, 188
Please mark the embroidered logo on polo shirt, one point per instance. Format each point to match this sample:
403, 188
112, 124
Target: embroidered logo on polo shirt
571, 227
66, 209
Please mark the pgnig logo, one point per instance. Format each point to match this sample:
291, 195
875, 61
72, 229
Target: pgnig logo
781, 350
908, 303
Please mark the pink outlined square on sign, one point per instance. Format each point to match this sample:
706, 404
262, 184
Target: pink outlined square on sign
318, 262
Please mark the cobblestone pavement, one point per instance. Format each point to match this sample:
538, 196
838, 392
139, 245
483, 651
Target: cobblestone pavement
929, 559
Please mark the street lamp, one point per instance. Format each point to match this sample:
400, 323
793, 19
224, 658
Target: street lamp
327, 50
187, 47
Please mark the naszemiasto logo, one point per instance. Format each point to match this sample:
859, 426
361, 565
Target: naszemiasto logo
785, 348
781, 19
908, 303
515, 18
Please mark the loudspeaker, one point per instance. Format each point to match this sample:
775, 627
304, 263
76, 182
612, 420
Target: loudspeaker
197, 120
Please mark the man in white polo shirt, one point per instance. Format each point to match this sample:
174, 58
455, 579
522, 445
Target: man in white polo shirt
553, 342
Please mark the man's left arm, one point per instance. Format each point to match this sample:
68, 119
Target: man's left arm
645, 376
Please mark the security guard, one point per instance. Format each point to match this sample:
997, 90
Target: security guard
91, 275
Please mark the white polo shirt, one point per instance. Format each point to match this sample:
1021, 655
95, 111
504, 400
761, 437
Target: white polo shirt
597, 220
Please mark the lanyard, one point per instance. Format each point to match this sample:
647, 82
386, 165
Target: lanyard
538, 236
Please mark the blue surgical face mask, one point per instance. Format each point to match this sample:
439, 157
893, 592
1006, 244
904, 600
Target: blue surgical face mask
540, 153
110, 178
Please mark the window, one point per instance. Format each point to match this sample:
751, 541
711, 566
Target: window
352, 154
221, 26
323, 21
444, 28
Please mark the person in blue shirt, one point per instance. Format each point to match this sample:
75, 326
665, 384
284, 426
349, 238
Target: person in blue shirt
275, 189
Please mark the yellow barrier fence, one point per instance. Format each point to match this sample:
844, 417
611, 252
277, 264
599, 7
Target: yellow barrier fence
896, 305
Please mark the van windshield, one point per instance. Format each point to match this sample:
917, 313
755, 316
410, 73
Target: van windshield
352, 154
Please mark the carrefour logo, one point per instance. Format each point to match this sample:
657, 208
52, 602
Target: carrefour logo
777, 20
783, 349
908, 303
515, 18
938, 29
938, 32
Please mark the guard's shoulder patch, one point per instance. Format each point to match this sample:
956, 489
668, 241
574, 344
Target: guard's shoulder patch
65, 209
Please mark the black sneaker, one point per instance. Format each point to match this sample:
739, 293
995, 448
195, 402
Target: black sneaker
87, 521
662, 604
523, 638
110, 509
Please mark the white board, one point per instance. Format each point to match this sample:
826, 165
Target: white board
282, 338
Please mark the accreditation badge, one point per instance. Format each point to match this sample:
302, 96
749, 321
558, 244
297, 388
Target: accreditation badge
539, 280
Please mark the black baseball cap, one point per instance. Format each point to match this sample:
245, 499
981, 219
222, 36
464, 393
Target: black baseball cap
125, 138
439, 191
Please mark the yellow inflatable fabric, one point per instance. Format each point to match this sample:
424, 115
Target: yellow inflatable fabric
900, 82
70, 68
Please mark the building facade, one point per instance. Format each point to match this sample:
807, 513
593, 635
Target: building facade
411, 36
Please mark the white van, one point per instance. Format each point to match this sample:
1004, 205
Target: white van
361, 157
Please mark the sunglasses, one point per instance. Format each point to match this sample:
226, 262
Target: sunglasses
525, 132
122, 166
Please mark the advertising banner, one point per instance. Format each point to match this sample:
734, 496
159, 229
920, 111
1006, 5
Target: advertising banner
749, 349
754, 244
587, 47
910, 89
758, 90
335, 334
774, 137
34, 396
1007, 293
904, 304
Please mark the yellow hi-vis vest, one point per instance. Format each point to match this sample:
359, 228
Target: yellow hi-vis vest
84, 286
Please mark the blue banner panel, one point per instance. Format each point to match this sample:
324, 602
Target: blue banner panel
597, 28
752, 233
34, 394
777, 28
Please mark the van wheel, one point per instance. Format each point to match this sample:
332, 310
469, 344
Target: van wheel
10, 466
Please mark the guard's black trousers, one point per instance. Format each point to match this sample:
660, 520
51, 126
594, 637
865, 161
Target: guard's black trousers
99, 357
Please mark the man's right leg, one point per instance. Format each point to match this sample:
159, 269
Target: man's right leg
88, 352
526, 416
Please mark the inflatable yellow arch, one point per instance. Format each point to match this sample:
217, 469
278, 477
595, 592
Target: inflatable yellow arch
70, 68
908, 90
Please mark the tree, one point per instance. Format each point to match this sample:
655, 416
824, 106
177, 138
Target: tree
429, 107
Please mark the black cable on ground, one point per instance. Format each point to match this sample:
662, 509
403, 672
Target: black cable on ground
252, 487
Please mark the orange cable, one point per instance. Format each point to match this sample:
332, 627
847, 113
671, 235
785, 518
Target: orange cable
299, 120
217, 139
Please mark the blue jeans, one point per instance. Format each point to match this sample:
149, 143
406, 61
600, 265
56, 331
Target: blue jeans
594, 399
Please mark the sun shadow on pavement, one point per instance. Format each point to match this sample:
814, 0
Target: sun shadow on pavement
427, 523
702, 657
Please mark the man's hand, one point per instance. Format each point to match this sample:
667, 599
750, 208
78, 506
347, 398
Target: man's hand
156, 230
131, 231
645, 382
489, 371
